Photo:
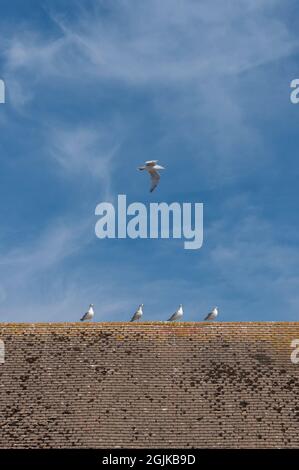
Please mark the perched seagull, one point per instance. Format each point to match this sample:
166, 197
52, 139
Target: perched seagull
89, 314
177, 315
212, 315
152, 167
138, 314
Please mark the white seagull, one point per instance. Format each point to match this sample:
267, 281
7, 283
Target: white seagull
151, 167
177, 315
138, 314
89, 314
212, 315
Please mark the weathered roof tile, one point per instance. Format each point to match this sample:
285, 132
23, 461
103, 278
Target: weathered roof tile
149, 385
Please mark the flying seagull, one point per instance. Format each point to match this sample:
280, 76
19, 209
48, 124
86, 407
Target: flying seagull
138, 314
177, 315
212, 315
152, 167
89, 314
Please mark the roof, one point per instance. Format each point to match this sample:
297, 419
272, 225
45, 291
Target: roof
148, 385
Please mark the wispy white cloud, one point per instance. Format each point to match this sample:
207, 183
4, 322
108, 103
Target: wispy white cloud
198, 52
83, 150
172, 43
250, 262
23, 267
167, 42
190, 60
53, 246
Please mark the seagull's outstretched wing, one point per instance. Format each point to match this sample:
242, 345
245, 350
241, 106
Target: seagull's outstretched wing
151, 162
155, 178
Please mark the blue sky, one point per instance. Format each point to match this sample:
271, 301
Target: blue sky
95, 88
